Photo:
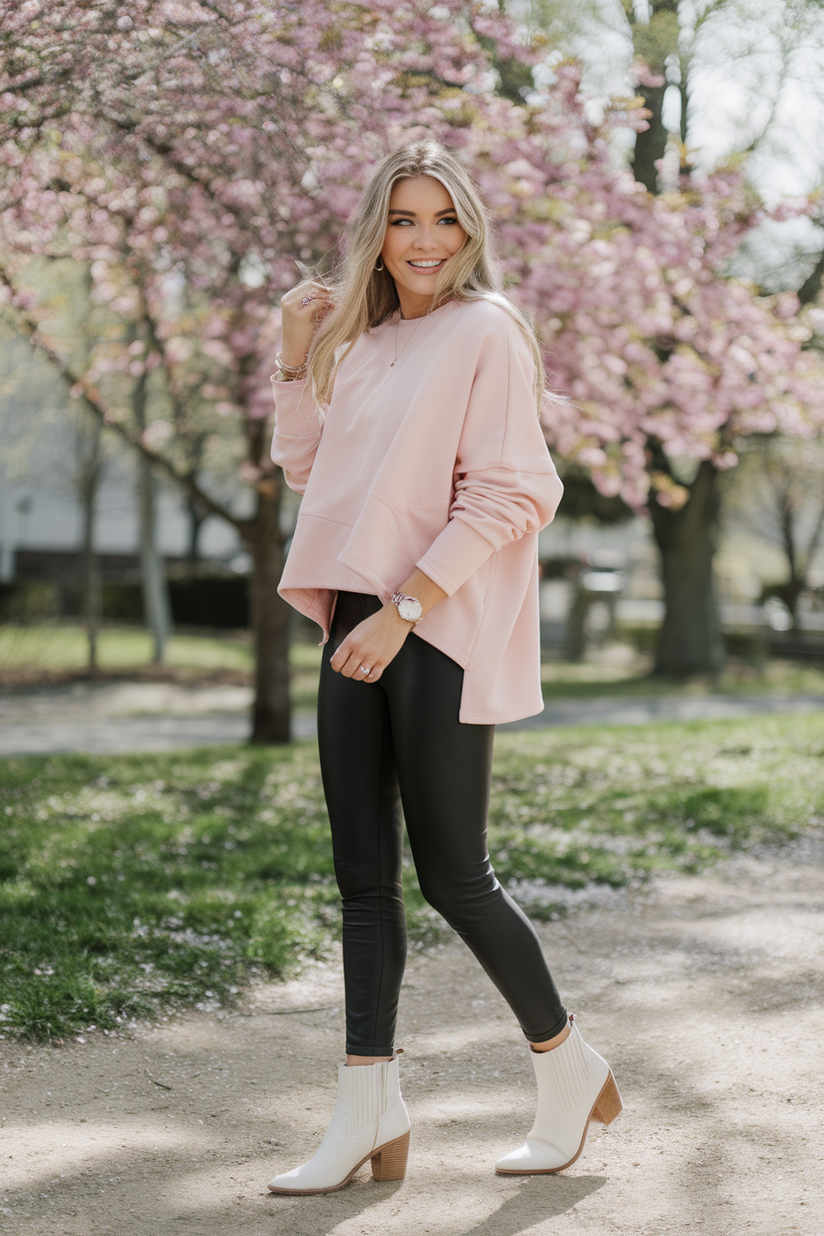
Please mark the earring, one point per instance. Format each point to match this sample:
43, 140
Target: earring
381, 267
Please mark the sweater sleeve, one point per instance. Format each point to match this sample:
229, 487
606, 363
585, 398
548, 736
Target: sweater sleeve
298, 430
505, 483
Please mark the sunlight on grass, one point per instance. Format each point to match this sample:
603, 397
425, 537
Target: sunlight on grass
613, 672
628, 675
64, 648
130, 884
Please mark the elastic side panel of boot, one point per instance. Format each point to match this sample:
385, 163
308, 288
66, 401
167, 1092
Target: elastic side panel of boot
568, 1072
367, 1089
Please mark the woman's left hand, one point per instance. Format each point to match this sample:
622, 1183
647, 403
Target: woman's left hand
371, 645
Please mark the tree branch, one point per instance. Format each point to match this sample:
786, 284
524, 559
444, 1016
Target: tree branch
810, 288
30, 330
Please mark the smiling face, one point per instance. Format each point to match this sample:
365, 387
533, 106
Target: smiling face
422, 233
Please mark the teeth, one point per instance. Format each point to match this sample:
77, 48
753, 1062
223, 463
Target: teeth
425, 264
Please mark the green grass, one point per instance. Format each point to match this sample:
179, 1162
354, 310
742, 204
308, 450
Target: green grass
122, 650
612, 806
62, 647
597, 678
133, 884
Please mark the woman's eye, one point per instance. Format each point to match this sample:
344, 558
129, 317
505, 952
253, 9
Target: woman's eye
409, 222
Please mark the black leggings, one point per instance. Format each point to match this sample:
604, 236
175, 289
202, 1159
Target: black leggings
398, 742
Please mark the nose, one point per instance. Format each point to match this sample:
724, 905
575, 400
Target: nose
426, 238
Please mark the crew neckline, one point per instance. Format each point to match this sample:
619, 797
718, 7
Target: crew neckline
396, 319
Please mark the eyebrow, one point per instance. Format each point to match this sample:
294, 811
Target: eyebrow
412, 214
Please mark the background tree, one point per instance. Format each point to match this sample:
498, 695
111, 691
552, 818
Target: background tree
778, 494
668, 47
191, 154
89, 467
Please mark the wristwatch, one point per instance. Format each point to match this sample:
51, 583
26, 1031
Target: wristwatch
409, 608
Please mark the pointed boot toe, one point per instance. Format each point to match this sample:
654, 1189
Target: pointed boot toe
370, 1121
575, 1085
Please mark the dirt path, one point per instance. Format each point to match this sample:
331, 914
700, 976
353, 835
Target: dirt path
706, 997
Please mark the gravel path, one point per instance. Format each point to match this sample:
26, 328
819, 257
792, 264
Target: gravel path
110, 718
705, 995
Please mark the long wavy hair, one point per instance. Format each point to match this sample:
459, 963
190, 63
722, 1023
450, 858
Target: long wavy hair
364, 297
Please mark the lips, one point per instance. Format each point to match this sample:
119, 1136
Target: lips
426, 265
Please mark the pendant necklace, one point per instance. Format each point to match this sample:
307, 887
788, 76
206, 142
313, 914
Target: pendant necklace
411, 333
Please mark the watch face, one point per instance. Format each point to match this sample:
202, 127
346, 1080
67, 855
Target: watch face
410, 610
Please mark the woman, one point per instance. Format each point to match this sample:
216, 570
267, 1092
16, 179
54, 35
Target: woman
426, 479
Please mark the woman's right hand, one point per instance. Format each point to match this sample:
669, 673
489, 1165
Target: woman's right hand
300, 321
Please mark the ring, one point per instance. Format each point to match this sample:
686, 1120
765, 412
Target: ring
304, 300
365, 671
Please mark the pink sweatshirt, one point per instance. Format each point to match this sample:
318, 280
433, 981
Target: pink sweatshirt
439, 462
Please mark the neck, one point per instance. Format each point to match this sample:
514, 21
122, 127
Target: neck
414, 306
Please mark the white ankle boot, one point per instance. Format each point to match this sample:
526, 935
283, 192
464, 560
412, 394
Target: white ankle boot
574, 1086
370, 1121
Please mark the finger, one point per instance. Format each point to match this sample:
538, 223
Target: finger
308, 287
364, 671
314, 299
341, 655
355, 668
346, 660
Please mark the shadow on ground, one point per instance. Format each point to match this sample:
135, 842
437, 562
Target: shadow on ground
707, 999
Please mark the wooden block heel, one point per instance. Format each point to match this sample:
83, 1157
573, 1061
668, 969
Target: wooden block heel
608, 1104
389, 1163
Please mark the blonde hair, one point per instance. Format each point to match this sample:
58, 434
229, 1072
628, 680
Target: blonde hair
364, 296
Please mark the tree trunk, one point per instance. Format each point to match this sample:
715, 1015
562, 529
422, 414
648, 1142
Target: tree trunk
197, 518
788, 520
799, 561
156, 608
575, 630
88, 475
690, 640
271, 711
655, 38
808, 292
90, 587
652, 143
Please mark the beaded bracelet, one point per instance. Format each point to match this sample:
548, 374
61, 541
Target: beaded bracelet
284, 368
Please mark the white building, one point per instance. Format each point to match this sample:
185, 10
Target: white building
41, 446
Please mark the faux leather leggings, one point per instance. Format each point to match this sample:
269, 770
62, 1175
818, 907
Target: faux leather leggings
395, 749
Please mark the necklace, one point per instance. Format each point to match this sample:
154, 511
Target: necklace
411, 333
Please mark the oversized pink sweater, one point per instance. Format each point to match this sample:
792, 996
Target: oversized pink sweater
439, 462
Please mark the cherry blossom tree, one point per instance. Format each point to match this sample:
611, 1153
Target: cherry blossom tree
190, 151
670, 363
668, 42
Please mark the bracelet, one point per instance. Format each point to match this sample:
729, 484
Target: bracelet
280, 376
284, 368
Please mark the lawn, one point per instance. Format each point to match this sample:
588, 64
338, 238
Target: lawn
63, 647
130, 885
599, 677
30, 655
60, 648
